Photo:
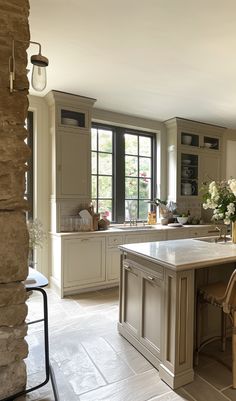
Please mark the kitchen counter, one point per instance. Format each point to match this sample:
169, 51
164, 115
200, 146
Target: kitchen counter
184, 254
121, 229
157, 299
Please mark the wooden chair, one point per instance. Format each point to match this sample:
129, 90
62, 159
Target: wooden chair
221, 295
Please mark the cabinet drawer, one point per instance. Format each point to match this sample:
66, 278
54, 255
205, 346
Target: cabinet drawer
201, 232
114, 240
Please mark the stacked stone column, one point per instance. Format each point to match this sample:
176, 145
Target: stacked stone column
13, 231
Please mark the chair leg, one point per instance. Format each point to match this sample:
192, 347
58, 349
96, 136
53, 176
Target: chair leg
223, 330
234, 350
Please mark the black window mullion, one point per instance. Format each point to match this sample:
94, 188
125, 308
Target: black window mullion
119, 163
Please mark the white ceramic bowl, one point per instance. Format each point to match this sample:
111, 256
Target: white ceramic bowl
207, 145
69, 121
187, 139
182, 220
186, 161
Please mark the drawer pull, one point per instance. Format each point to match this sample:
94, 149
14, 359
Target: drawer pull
129, 269
151, 278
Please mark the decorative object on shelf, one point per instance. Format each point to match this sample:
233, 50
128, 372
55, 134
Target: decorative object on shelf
38, 77
187, 188
186, 172
186, 139
186, 161
69, 121
221, 197
151, 218
37, 236
208, 145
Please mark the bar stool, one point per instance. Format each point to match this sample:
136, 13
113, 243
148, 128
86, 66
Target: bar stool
221, 295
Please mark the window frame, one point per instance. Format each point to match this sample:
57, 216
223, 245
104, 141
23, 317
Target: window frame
118, 166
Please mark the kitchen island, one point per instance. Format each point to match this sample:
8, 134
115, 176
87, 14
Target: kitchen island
157, 299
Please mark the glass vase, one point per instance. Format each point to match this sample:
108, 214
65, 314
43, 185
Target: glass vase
233, 232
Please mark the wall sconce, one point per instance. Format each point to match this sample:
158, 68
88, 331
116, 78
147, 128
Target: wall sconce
39, 76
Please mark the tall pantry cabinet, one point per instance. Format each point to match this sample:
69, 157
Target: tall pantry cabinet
70, 130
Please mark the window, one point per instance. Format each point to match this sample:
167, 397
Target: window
122, 172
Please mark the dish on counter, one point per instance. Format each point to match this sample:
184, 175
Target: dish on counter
175, 225
182, 220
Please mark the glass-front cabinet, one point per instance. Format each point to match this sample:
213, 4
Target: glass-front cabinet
194, 155
189, 174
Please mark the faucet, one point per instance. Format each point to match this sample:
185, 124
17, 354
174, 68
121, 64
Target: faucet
222, 233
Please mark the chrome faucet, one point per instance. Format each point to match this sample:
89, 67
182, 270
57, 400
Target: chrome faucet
133, 222
222, 233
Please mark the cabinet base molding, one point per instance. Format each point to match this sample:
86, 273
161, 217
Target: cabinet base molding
75, 290
174, 381
140, 347
177, 380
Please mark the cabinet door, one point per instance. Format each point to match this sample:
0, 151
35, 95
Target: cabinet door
210, 166
131, 299
151, 317
113, 264
73, 166
83, 261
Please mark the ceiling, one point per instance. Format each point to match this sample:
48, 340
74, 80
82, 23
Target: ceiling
154, 58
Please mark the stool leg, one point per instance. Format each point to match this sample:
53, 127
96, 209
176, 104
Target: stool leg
223, 330
198, 330
234, 350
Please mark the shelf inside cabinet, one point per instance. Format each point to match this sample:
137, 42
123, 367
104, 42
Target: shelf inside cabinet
72, 118
189, 139
211, 143
189, 175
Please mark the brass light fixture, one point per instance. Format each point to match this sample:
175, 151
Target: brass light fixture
39, 76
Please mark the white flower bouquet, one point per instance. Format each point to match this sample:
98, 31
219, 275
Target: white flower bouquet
36, 233
221, 197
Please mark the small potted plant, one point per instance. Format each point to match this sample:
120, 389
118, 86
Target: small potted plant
36, 237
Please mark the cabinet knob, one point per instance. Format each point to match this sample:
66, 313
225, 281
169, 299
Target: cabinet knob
151, 278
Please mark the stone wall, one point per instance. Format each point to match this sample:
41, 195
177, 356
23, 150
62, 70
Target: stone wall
13, 230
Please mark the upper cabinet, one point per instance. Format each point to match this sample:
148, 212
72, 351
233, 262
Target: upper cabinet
70, 128
194, 155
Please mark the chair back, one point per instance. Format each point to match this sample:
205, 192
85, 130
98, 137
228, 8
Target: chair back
229, 298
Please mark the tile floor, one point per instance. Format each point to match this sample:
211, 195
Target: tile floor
92, 362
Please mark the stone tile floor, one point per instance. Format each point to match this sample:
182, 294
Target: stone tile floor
92, 362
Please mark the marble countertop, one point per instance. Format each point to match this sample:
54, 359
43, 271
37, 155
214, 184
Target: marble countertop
120, 229
184, 254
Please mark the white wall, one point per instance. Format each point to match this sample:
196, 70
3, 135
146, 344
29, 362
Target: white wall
41, 176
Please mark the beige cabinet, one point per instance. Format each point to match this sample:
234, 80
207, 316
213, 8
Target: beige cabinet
151, 316
73, 164
142, 303
85, 261
194, 154
113, 257
70, 128
132, 296
78, 262
145, 237
70, 136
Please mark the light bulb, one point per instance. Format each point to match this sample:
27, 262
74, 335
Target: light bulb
39, 78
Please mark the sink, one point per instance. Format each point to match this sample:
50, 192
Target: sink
134, 228
214, 240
